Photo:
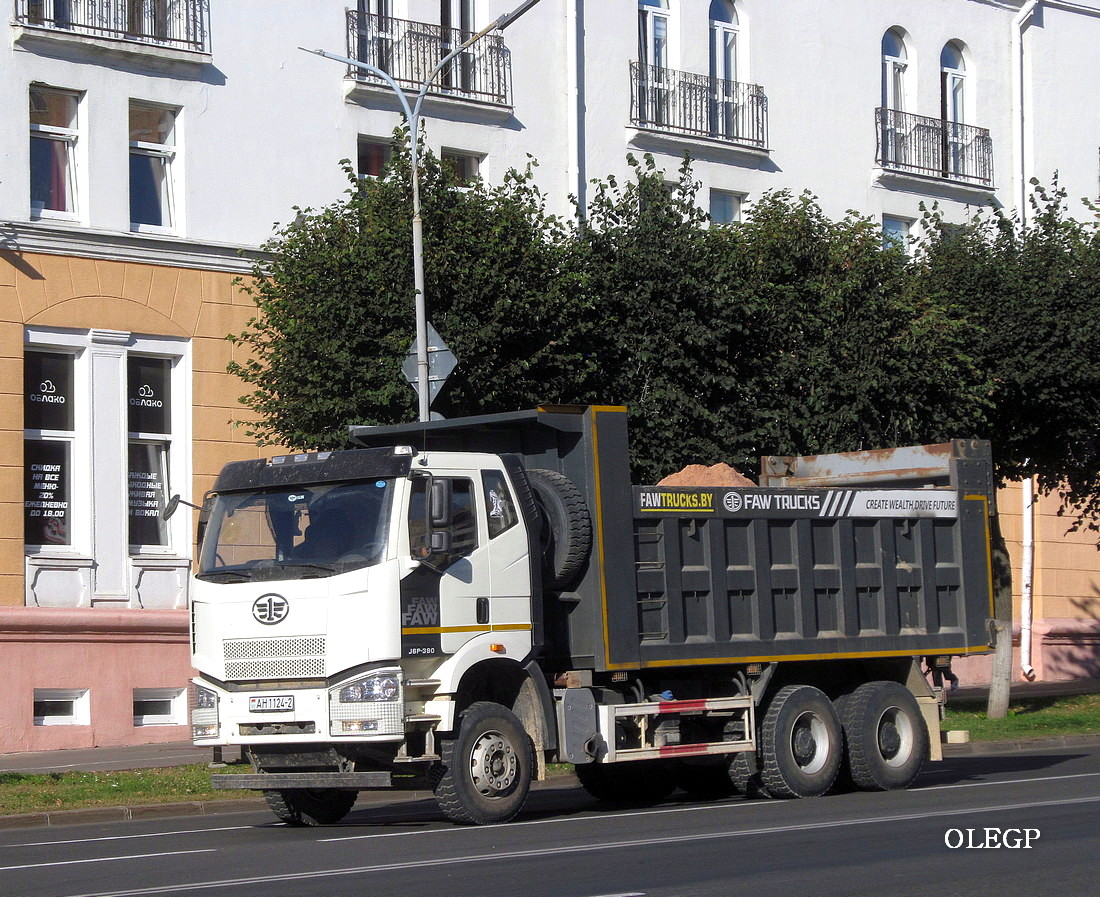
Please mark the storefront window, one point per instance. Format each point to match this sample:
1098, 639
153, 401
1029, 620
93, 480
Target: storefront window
47, 447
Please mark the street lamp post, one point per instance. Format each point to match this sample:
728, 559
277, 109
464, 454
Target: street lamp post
412, 116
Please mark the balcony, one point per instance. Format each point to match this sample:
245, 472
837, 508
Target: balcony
932, 147
666, 100
173, 24
408, 51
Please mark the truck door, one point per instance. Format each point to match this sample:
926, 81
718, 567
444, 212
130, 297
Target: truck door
479, 583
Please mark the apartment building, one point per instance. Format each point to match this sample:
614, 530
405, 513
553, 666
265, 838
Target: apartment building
148, 147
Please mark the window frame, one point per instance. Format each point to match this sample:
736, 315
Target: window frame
165, 154
80, 698
69, 138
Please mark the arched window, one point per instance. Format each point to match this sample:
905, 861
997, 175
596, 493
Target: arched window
952, 83
894, 66
723, 40
653, 33
727, 108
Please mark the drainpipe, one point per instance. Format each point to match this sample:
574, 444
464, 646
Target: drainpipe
574, 56
1027, 575
1019, 21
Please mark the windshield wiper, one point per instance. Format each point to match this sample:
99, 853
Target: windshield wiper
325, 569
215, 575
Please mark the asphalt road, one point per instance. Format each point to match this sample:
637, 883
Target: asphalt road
936, 840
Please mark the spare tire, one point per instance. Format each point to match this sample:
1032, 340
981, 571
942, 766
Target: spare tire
566, 533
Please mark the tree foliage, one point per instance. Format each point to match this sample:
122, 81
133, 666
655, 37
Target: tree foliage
787, 333
1031, 292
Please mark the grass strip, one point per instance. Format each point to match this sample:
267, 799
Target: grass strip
39, 793
1031, 717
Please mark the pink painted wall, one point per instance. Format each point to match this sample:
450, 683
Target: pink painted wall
108, 652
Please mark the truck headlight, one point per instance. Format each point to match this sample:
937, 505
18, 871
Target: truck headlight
204, 712
373, 688
373, 704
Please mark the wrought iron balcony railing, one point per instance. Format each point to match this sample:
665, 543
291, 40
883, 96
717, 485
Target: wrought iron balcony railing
180, 24
933, 147
408, 51
698, 105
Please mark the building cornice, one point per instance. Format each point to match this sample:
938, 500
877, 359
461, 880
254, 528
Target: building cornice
59, 239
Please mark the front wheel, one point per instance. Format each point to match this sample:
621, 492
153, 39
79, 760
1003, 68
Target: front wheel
317, 806
801, 743
485, 771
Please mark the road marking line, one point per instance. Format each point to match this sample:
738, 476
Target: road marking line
136, 856
497, 856
192, 831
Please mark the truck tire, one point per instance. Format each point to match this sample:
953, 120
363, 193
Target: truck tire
566, 535
485, 771
887, 739
801, 744
744, 775
320, 806
637, 782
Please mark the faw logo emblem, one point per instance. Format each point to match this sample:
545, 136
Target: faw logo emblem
270, 609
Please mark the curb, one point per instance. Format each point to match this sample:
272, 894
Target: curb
126, 814
1023, 744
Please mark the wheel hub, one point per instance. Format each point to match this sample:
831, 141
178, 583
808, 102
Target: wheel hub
889, 740
494, 764
804, 745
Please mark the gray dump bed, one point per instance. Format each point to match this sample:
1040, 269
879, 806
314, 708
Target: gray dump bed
891, 559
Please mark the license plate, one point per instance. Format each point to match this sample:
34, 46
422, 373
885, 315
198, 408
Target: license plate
271, 703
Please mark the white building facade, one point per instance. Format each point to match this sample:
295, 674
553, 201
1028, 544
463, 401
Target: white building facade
146, 143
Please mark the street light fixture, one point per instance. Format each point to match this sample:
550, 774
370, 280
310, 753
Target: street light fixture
412, 116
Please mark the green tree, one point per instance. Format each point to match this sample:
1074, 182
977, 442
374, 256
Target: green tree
1031, 292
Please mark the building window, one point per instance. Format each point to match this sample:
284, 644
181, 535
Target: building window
723, 41
62, 707
725, 207
152, 151
160, 706
149, 398
456, 19
373, 157
53, 125
895, 232
78, 498
653, 20
49, 433
894, 67
463, 167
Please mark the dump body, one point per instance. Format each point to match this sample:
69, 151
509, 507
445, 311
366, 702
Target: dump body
897, 565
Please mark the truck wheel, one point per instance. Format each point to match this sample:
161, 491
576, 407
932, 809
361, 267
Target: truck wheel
321, 806
744, 775
566, 536
637, 782
800, 743
485, 771
887, 739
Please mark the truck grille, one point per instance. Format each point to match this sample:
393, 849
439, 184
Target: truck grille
274, 658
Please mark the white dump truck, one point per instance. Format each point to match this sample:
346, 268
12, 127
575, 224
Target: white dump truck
458, 603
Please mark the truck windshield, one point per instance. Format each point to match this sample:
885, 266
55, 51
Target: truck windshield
302, 532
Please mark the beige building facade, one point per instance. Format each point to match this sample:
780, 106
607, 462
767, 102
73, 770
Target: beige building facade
93, 583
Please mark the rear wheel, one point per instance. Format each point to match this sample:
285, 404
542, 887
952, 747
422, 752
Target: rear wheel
318, 806
800, 743
485, 771
887, 739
